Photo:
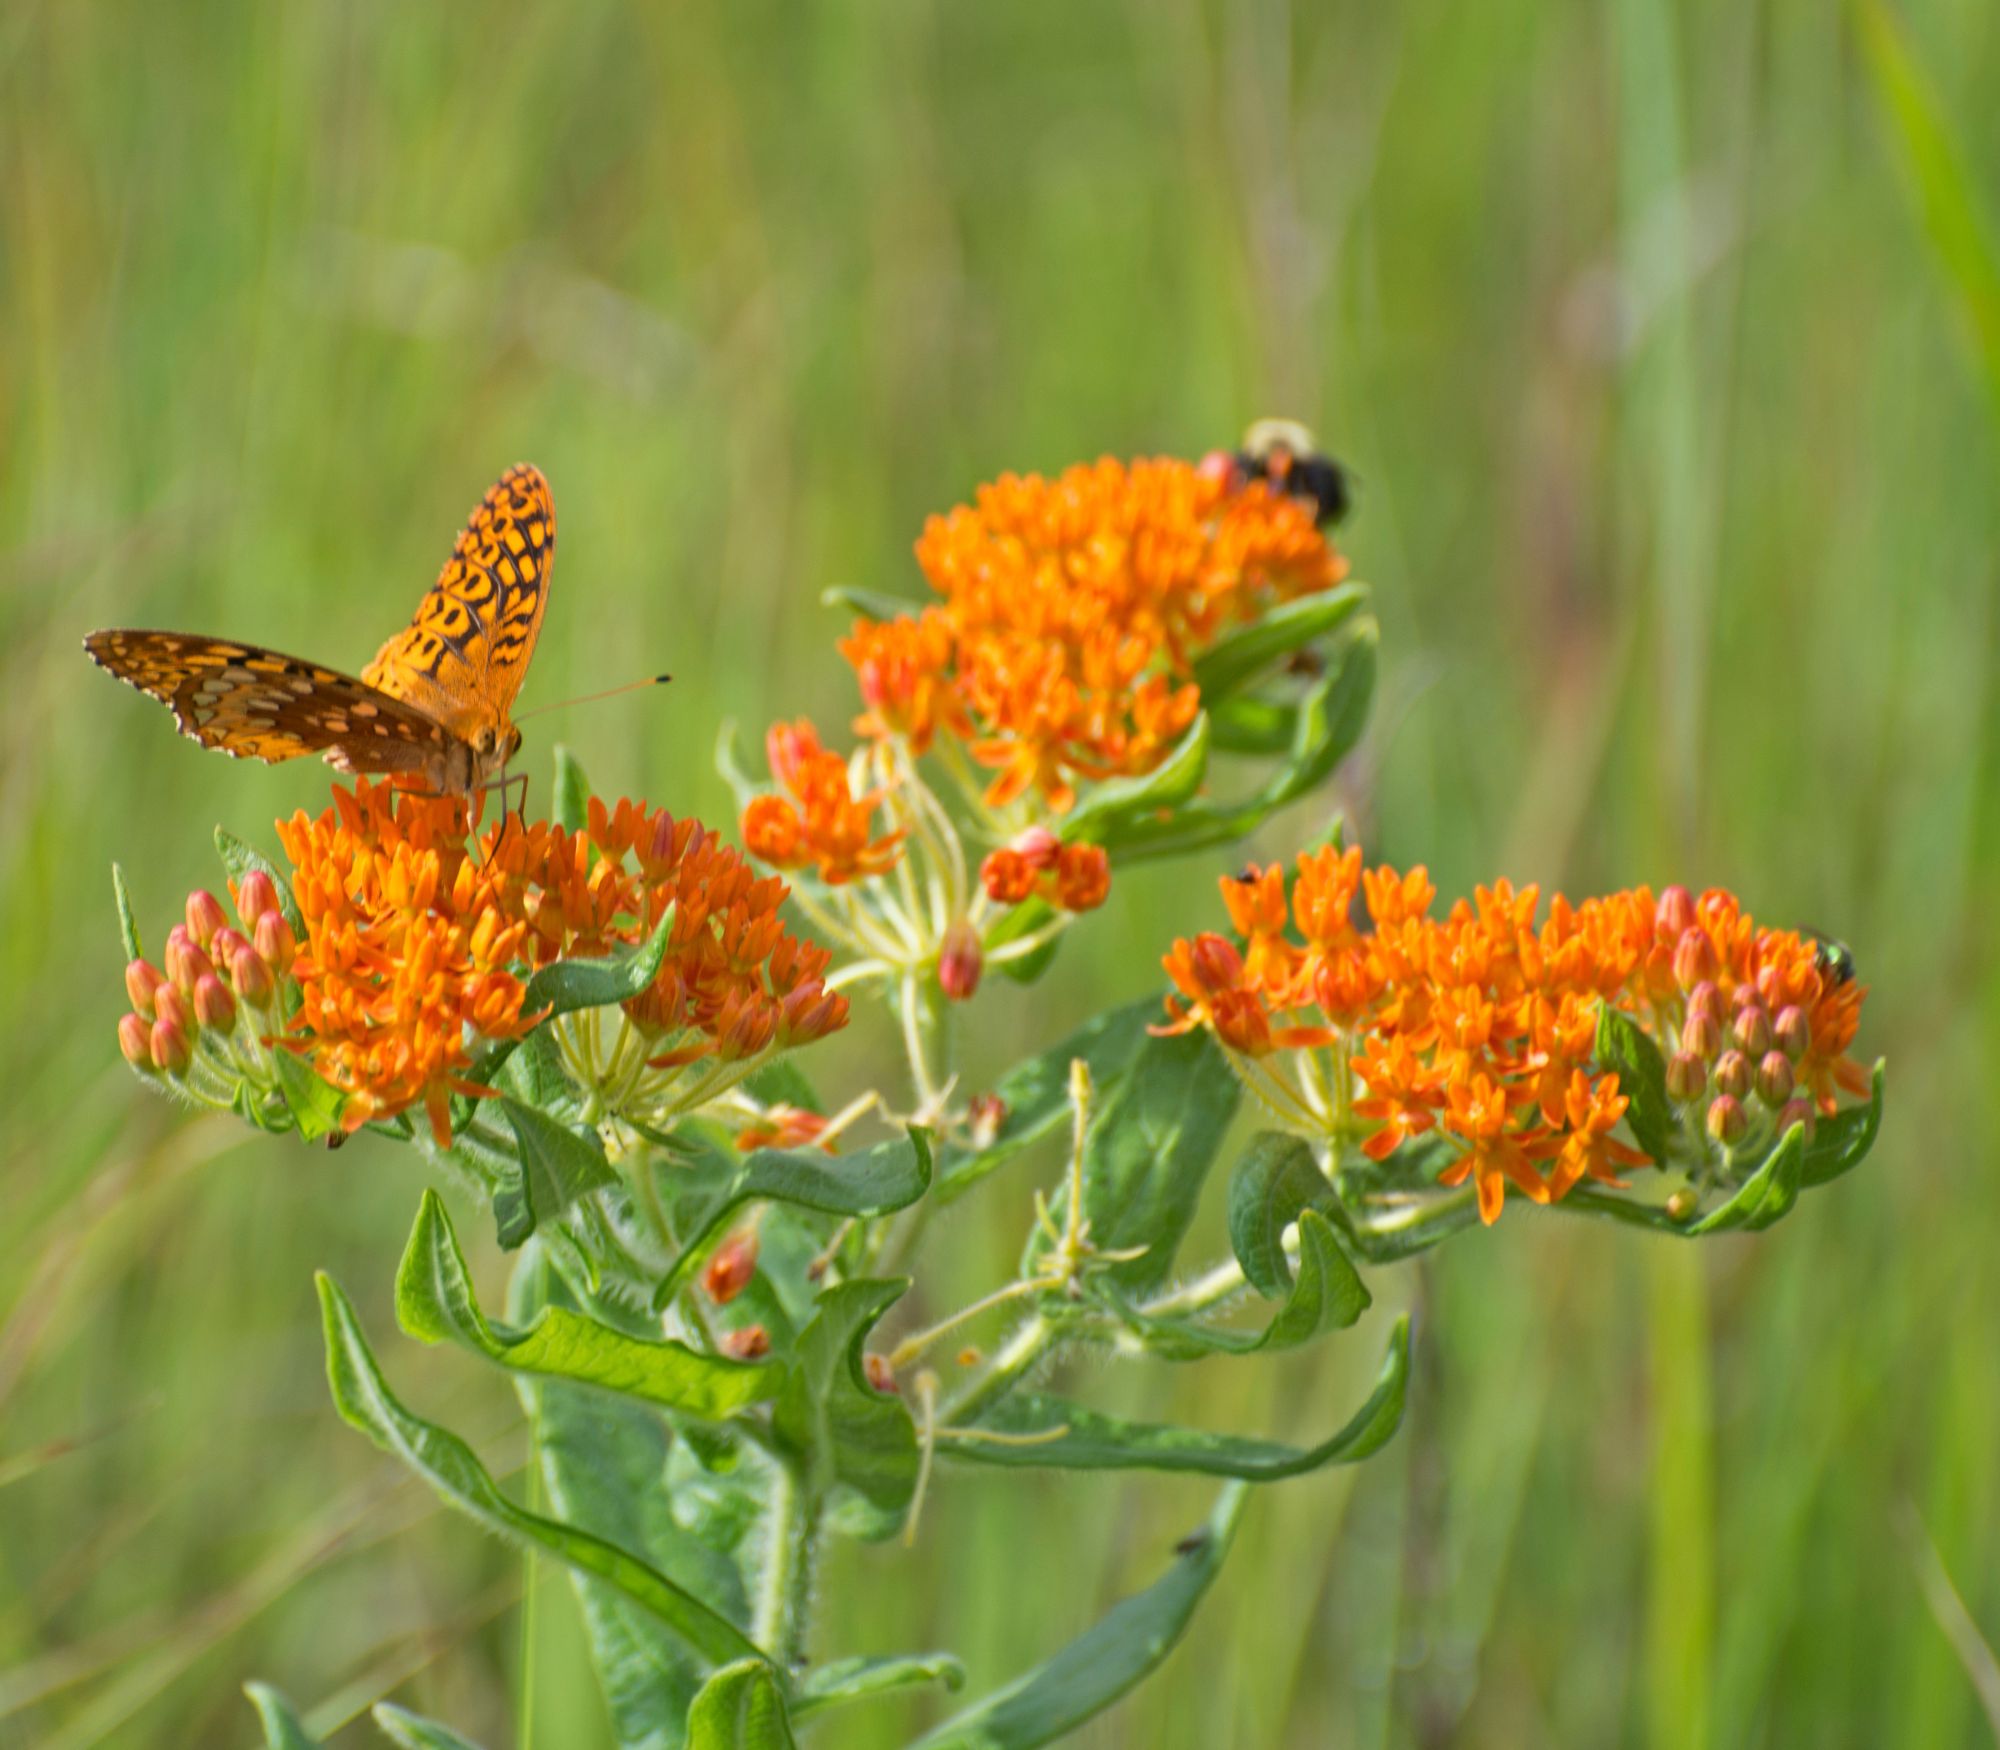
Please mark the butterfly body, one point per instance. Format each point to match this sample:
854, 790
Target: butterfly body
434, 707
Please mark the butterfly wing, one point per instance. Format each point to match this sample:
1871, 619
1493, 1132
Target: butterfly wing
259, 704
462, 657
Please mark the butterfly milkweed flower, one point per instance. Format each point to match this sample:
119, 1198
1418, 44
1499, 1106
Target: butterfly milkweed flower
1477, 1031
1059, 655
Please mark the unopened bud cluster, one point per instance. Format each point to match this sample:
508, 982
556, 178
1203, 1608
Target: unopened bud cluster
203, 1019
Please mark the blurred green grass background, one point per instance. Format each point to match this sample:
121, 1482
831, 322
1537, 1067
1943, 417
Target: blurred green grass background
1654, 332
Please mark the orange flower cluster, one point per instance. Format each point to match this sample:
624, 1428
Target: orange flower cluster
1483, 1024
821, 824
413, 944
1037, 864
408, 953
1073, 611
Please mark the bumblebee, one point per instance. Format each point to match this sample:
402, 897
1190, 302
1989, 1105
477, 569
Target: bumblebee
1281, 453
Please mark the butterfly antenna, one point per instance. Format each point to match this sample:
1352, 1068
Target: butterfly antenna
656, 680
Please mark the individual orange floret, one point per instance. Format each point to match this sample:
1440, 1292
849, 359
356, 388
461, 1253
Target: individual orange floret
1478, 1112
406, 957
821, 823
783, 1126
1587, 1151
903, 668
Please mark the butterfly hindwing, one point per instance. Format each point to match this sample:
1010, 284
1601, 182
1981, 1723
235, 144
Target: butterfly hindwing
463, 655
260, 704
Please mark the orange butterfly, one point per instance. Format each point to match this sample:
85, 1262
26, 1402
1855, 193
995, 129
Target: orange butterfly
432, 706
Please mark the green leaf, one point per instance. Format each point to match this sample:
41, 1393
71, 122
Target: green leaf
1841, 1142
239, 859
873, 604
740, 1708
855, 1437
1276, 1180
1252, 725
128, 925
1023, 920
558, 1166
1036, 1090
567, 985
1622, 1045
1328, 1295
572, 797
452, 1469
874, 1181
314, 1103
414, 1732
781, 1082
1146, 796
1246, 653
1153, 1137
435, 1304
845, 1680
1765, 1196
283, 1730
1090, 1441
1098, 1667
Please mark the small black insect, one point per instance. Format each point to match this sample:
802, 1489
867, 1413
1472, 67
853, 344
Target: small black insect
1281, 453
1832, 956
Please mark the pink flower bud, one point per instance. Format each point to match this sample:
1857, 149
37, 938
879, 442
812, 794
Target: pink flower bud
1774, 1078
1753, 1029
880, 1374
256, 894
142, 979
1793, 1032
275, 942
1675, 916
223, 945
730, 1268
1733, 1074
213, 1005
1797, 1112
1687, 1075
1726, 1119
135, 1039
984, 1115
959, 961
1706, 999
169, 1047
170, 1006
252, 978
204, 915
1037, 847
1701, 1037
750, 1343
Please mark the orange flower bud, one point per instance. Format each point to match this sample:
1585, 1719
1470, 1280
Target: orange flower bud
1687, 1075
204, 916
984, 1115
959, 961
731, 1266
170, 1006
224, 945
1675, 916
880, 1374
135, 1039
1726, 1119
277, 947
1774, 1079
1753, 1029
772, 832
1216, 963
142, 979
1793, 1032
1694, 958
1706, 999
213, 1005
750, 1343
1007, 876
749, 1024
812, 1012
256, 894
252, 978
1701, 1037
168, 1044
1083, 877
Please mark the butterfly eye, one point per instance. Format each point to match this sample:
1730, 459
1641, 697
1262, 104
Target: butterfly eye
513, 742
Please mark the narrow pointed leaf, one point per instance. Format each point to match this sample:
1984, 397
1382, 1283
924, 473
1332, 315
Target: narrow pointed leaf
558, 1165
1252, 725
1766, 1195
314, 1103
1240, 657
435, 1304
567, 985
452, 1469
1098, 1667
740, 1708
283, 1729
872, 1181
873, 604
1623, 1046
1275, 1181
414, 1732
845, 1680
1840, 1143
1090, 1441
128, 925
239, 859
1146, 796
572, 797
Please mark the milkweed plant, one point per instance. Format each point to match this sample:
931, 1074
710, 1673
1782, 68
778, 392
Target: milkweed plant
722, 1322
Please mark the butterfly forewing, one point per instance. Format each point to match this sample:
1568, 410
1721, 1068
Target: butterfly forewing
262, 704
462, 657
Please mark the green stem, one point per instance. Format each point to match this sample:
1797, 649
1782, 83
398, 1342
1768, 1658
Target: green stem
1010, 1363
784, 1591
